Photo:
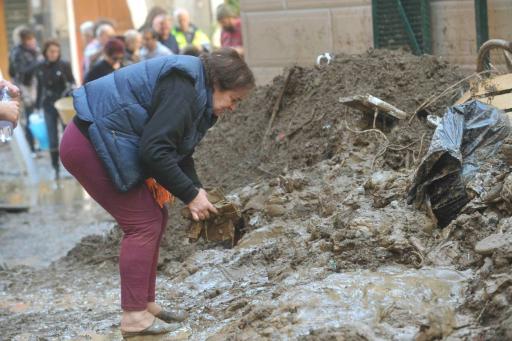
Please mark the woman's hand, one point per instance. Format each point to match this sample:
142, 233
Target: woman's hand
200, 207
10, 111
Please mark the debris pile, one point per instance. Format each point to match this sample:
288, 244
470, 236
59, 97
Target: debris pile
331, 247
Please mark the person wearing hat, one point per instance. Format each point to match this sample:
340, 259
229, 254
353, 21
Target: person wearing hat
113, 55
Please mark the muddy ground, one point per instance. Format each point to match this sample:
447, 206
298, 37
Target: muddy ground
332, 251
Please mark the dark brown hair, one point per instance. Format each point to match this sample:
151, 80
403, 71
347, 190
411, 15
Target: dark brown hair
227, 70
26, 34
48, 43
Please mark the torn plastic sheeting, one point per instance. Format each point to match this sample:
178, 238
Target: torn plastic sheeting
467, 135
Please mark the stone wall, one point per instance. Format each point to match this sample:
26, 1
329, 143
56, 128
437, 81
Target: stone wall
284, 32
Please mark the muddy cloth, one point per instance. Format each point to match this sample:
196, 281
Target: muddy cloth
138, 214
467, 135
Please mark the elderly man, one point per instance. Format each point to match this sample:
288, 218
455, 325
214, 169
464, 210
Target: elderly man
132, 46
87, 32
162, 24
187, 34
152, 47
94, 49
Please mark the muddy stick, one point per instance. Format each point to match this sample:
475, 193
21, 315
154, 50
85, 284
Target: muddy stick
277, 104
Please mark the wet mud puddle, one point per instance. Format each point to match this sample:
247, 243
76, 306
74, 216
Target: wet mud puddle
390, 302
45, 220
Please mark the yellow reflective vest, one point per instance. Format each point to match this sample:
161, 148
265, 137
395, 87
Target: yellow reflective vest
199, 38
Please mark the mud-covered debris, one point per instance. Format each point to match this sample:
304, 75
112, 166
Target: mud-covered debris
467, 137
441, 323
495, 242
226, 225
373, 106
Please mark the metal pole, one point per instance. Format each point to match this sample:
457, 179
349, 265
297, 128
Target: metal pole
375, 17
481, 21
408, 28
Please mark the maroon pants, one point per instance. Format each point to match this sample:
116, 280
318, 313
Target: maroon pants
141, 219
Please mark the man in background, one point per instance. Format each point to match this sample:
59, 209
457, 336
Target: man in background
87, 32
152, 48
188, 34
23, 61
132, 46
162, 24
231, 34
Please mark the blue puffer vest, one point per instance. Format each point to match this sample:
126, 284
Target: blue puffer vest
117, 106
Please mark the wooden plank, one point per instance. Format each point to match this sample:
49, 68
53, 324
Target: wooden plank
369, 103
503, 102
493, 85
487, 87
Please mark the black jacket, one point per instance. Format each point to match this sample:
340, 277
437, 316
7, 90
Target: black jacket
98, 70
22, 64
53, 81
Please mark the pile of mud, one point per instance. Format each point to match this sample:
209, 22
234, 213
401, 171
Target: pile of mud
323, 201
310, 125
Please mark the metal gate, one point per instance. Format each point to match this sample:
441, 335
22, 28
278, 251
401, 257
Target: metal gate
402, 23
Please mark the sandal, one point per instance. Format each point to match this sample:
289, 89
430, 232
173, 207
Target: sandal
156, 328
171, 316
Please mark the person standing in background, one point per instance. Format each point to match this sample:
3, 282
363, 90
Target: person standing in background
54, 81
162, 24
23, 60
187, 33
132, 46
231, 34
87, 35
87, 32
152, 48
113, 55
95, 48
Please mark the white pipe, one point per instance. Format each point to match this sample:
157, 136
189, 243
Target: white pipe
22, 154
73, 46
